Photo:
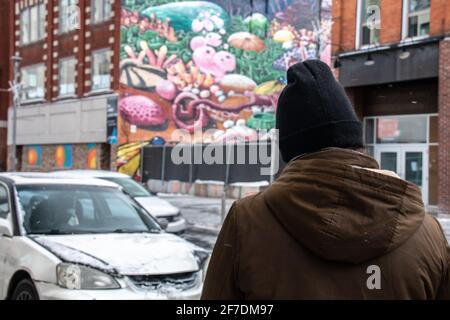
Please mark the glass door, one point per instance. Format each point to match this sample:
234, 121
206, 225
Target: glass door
410, 162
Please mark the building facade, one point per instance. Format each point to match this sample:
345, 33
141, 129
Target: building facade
68, 50
392, 57
5, 25
103, 78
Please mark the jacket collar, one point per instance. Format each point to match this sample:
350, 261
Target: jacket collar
344, 156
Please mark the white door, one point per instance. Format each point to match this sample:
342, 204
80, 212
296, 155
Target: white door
409, 161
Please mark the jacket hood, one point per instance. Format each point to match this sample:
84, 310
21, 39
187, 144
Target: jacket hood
337, 203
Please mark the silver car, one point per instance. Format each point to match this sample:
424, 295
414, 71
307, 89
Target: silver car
66, 238
159, 208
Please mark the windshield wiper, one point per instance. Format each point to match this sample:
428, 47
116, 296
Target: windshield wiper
121, 230
51, 232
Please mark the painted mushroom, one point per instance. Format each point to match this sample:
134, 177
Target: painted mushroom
246, 41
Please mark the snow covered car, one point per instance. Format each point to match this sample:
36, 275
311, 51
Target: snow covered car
159, 208
64, 238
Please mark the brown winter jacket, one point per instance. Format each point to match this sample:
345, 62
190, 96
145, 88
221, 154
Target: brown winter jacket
320, 229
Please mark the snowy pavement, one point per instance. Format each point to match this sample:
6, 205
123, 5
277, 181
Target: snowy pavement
203, 217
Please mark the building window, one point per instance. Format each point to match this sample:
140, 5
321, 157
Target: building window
100, 69
100, 10
69, 15
416, 18
32, 24
33, 82
67, 76
369, 21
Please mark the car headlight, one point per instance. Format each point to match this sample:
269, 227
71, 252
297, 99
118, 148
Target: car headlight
202, 258
76, 277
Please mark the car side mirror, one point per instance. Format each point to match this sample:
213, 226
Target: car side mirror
163, 223
5, 228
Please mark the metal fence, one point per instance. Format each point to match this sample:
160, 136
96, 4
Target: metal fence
241, 162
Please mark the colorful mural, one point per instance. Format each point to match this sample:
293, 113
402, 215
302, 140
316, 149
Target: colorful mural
91, 161
63, 156
217, 65
34, 156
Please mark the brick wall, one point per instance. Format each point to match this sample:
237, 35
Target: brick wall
78, 43
4, 77
344, 22
391, 21
444, 126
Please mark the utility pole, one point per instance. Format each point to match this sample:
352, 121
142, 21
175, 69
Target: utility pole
17, 92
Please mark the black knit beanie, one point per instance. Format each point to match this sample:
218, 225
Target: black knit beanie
314, 112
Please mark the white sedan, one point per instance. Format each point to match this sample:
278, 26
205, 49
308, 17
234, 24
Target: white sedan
159, 208
85, 239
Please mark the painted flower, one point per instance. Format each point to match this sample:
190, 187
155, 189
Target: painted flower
207, 21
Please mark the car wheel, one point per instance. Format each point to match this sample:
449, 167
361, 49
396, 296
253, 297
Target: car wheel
25, 290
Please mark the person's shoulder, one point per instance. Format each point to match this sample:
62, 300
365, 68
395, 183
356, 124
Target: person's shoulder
432, 234
249, 207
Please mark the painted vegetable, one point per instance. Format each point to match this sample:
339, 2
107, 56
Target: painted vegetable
166, 89
143, 112
283, 36
182, 14
257, 24
246, 41
237, 83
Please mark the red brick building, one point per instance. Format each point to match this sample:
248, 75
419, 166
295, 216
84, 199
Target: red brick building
68, 50
5, 25
393, 58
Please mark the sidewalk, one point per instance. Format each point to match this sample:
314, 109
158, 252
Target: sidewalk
202, 214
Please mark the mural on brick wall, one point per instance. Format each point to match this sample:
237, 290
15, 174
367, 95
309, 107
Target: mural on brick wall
34, 156
217, 65
63, 156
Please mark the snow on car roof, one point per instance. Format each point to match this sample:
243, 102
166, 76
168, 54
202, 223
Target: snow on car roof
21, 178
90, 173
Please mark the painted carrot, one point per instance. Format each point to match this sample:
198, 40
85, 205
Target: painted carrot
130, 52
161, 56
150, 55
169, 60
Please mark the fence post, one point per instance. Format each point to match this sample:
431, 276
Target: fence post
163, 164
225, 185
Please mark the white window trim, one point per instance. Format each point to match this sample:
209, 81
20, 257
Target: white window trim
358, 44
72, 94
60, 11
405, 16
358, 25
41, 37
39, 99
104, 19
103, 50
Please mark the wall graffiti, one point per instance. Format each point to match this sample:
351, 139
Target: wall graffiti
216, 65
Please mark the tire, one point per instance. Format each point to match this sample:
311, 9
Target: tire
25, 290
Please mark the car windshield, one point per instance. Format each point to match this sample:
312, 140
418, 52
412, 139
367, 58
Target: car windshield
79, 209
130, 186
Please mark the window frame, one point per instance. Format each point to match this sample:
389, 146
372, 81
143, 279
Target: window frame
360, 25
61, 29
405, 22
60, 62
34, 66
104, 17
93, 65
39, 28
